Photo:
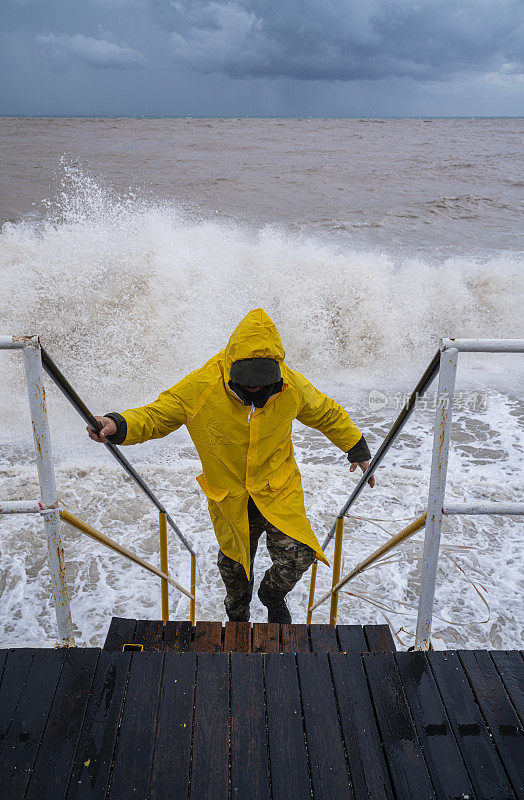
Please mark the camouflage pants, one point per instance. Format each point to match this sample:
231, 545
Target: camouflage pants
290, 560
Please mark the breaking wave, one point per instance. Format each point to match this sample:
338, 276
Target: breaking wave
128, 294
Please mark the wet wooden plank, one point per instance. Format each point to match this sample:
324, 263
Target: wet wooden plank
265, 637
208, 637
62, 731
14, 676
237, 637
327, 760
323, 638
177, 636
351, 638
406, 763
287, 751
121, 631
249, 753
172, 758
96, 746
294, 639
23, 737
136, 737
379, 638
443, 757
498, 712
483, 764
369, 772
210, 768
42, 724
149, 633
510, 667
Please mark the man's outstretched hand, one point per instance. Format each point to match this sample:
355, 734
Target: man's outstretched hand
362, 464
108, 429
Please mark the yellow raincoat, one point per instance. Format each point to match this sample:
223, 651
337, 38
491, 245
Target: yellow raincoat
244, 450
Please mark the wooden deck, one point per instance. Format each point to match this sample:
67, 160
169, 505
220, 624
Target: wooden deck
259, 712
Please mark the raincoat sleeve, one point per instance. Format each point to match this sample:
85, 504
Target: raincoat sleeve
316, 410
154, 420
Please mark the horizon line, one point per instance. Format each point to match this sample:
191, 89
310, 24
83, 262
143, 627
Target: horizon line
256, 116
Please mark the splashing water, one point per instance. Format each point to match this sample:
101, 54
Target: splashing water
138, 293
129, 294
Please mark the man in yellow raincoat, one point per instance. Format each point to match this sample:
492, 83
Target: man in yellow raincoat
238, 409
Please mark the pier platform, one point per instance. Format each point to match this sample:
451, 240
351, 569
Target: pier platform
259, 712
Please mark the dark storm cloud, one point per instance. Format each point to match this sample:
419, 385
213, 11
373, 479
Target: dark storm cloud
262, 57
347, 39
100, 53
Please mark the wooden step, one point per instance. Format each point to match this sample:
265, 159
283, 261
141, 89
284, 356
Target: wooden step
244, 637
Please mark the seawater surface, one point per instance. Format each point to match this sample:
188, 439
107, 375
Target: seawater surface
134, 247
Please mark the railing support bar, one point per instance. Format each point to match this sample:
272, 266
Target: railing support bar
163, 566
46, 476
483, 345
13, 342
311, 598
437, 490
105, 540
395, 540
485, 508
337, 559
20, 507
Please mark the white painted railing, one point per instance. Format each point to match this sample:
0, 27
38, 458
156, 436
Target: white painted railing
47, 507
445, 364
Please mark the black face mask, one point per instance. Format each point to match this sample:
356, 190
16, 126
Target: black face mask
260, 398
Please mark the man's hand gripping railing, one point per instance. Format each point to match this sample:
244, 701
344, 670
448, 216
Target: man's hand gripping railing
164, 517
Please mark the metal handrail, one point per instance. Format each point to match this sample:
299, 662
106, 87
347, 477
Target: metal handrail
445, 363
449, 351
67, 390
36, 360
164, 517
423, 384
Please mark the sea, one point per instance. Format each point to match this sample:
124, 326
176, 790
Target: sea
133, 247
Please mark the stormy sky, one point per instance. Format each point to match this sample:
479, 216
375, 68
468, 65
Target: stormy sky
262, 57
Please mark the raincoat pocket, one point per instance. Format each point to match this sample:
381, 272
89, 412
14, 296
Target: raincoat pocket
281, 475
213, 494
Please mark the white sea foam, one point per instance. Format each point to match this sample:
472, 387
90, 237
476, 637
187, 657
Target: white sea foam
135, 294
129, 294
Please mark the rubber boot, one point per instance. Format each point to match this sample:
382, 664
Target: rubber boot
277, 610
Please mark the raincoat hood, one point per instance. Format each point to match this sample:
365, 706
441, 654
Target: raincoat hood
256, 336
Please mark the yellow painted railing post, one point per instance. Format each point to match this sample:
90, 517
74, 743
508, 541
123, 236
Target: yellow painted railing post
163, 566
311, 591
337, 558
192, 616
